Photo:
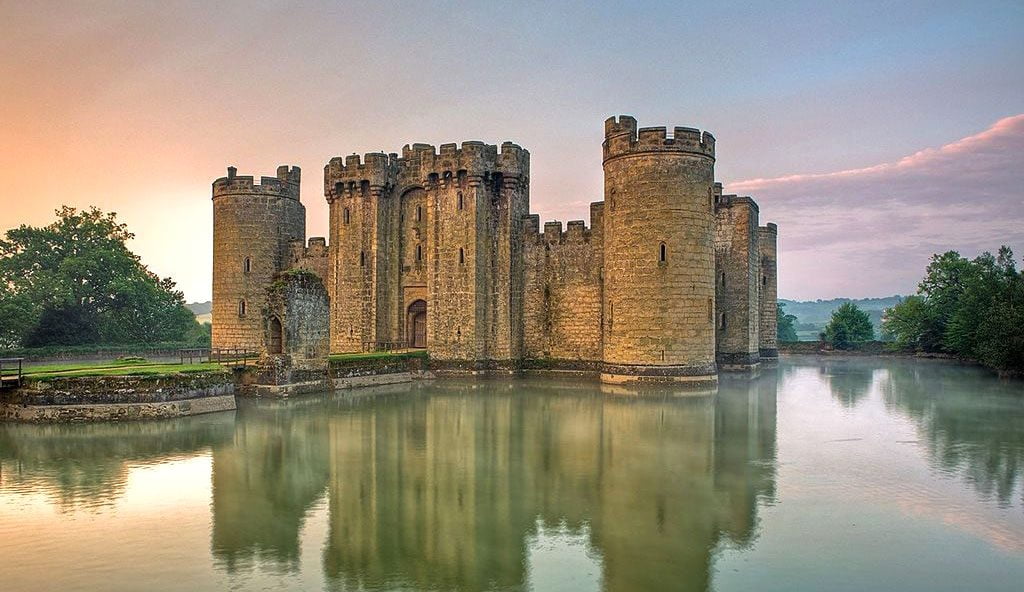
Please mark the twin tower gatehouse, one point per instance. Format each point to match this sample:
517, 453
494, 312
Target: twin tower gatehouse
437, 249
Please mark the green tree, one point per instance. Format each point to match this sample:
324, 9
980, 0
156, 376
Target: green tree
75, 282
786, 324
971, 308
849, 325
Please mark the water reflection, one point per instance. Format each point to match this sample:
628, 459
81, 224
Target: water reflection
969, 423
444, 486
849, 379
525, 484
87, 465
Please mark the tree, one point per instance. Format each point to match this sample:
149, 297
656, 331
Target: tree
971, 308
75, 282
849, 325
786, 324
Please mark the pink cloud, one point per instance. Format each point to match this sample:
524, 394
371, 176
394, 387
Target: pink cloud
870, 231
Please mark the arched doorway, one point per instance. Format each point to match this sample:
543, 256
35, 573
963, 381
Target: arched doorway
275, 345
416, 322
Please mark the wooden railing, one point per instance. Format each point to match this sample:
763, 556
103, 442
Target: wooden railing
10, 372
196, 355
384, 346
233, 356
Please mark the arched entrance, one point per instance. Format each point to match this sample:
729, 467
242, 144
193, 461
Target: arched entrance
275, 344
416, 324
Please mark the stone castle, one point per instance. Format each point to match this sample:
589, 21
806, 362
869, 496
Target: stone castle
437, 249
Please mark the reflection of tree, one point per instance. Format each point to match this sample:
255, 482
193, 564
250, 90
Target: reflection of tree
848, 379
971, 423
87, 464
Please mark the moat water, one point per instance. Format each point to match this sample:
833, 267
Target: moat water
835, 474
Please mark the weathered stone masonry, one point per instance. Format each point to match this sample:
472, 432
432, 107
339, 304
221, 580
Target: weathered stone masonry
436, 248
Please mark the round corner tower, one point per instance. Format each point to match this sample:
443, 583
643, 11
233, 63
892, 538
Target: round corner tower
659, 260
253, 226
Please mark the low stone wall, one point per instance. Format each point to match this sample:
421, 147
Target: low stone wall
866, 348
106, 398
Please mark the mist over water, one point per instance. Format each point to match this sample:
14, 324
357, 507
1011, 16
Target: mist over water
838, 474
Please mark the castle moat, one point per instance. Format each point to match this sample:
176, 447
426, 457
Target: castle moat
820, 474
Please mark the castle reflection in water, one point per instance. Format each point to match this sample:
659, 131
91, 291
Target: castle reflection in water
431, 488
449, 484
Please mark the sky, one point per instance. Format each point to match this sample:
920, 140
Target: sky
873, 133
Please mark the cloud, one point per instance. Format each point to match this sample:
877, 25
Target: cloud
870, 231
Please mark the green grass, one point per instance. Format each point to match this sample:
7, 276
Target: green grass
115, 368
419, 353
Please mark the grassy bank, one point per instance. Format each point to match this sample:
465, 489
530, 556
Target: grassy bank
134, 367
373, 356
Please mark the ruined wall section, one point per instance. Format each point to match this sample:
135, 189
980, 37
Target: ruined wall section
253, 227
563, 290
297, 310
767, 245
659, 309
737, 267
313, 257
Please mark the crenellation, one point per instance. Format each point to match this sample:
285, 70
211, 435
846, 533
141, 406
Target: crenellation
436, 247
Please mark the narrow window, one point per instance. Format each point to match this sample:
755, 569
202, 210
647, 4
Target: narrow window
764, 280
241, 308
346, 216
462, 256
419, 213
419, 252
723, 279
460, 200
663, 253
247, 265
362, 258
722, 322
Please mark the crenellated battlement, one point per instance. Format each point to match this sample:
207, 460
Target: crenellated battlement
424, 162
622, 138
285, 184
576, 232
731, 200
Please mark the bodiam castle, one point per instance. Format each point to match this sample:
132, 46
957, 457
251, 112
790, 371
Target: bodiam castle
436, 248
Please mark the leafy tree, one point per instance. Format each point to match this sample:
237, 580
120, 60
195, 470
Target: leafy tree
849, 325
75, 282
786, 324
971, 308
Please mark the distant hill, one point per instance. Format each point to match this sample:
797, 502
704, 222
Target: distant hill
202, 310
813, 315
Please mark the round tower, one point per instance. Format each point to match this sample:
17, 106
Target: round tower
253, 226
768, 291
659, 260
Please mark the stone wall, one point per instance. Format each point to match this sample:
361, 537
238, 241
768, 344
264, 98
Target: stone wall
107, 398
563, 293
296, 317
767, 239
737, 269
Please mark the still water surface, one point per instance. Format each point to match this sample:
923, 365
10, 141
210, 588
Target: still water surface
841, 474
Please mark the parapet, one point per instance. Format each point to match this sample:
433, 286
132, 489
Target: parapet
770, 228
423, 164
354, 174
621, 137
728, 201
576, 232
285, 184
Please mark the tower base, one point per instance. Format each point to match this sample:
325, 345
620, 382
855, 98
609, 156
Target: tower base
685, 376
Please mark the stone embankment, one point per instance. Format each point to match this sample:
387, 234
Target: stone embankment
114, 398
